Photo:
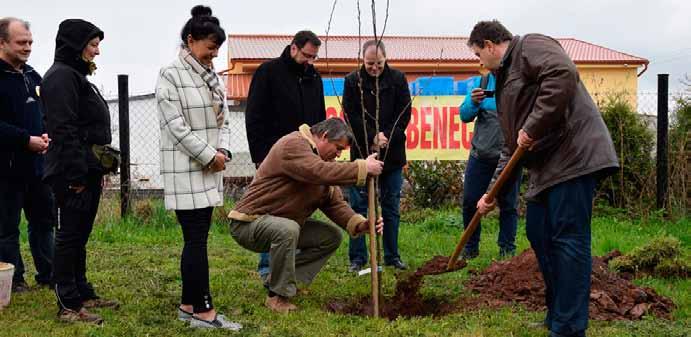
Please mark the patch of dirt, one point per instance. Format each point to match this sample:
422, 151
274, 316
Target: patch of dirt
514, 281
612, 297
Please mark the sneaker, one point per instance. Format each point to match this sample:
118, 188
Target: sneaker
100, 303
279, 304
71, 316
469, 254
184, 316
538, 324
20, 287
219, 322
398, 264
355, 267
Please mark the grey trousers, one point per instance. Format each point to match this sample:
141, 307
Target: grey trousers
281, 237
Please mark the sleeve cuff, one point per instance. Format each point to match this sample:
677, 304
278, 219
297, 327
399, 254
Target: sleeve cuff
361, 172
352, 225
206, 156
531, 128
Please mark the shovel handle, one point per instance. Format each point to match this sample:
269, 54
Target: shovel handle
505, 174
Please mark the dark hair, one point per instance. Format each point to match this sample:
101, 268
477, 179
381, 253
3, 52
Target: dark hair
304, 36
372, 43
335, 129
202, 25
5, 27
488, 31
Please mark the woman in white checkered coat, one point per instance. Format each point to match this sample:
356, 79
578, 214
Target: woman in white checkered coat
194, 149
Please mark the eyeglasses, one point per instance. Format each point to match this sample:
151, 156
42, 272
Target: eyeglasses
313, 57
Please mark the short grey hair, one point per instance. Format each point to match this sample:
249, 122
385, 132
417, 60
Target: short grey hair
372, 43
334, 128
5, 26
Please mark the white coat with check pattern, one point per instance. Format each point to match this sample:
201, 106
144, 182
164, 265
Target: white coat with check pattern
190, 138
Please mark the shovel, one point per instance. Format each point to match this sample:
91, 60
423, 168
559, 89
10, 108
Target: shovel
505, 174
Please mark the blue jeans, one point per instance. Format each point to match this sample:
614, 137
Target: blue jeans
263, 266
558, 228
390, 195
478, 175
39, 208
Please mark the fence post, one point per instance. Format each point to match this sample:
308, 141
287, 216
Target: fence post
124, 118
662, 129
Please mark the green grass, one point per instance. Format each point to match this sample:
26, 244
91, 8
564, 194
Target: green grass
137, 263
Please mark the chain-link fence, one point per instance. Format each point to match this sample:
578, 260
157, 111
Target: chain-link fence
144, 133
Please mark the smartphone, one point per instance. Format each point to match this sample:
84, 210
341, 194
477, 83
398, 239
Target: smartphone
488, 93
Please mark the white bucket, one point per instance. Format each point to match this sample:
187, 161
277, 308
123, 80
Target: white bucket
6, 273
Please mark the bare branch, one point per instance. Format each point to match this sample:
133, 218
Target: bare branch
333, 85
434, 74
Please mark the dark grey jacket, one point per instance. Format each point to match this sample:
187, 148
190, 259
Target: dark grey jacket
539, 90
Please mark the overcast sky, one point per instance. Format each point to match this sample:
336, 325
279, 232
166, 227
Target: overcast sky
141, 36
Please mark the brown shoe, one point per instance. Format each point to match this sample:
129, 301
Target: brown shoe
279, 304
100, 303
71, 316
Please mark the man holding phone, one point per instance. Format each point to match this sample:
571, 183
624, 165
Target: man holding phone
480, 106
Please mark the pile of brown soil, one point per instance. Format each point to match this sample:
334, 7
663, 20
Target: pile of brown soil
519, 280
509, 282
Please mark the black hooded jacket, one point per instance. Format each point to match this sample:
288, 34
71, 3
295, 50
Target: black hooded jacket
283, 95
76, 115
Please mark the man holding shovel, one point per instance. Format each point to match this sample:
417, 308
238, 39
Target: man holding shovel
544, 107
298, 177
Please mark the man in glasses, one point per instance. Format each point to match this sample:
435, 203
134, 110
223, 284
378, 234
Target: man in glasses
285, 93
22, 144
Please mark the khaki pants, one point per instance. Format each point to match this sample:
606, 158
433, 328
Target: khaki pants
281, 237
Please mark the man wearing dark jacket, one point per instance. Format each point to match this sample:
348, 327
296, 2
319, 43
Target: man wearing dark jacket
544, 107
22, 143
377, 79
285, 93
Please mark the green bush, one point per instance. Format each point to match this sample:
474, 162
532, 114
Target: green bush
434, 184
663, 256
679, 133
633, 186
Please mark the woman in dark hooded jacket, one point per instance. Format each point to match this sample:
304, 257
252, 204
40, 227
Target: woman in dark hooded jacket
77, 118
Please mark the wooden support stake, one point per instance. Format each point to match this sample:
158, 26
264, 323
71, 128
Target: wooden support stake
371, 217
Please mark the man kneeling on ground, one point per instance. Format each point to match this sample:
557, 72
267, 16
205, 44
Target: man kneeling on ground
297, 177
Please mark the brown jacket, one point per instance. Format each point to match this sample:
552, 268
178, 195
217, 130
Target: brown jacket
539, 90
293, 181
